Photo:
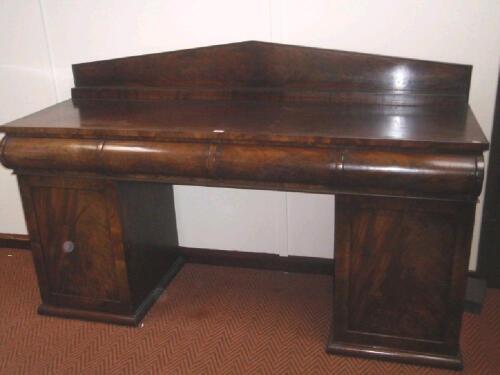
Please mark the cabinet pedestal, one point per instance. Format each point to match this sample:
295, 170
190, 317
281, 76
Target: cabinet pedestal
400, 267
103, 250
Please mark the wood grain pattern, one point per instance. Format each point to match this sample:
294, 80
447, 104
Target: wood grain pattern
78, 216
77, 210
108, 271
399, 274
393, 137
275, 71
452, 129
335, 169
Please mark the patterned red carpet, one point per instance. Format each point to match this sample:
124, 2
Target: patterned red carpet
211, 320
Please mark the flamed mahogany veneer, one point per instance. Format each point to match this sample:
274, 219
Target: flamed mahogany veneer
393, 138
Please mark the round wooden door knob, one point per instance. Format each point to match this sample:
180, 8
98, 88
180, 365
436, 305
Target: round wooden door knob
68, 246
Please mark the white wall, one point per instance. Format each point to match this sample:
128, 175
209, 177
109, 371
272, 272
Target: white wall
39, 40
26, 85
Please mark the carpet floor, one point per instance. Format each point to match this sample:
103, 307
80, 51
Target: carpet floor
210, 320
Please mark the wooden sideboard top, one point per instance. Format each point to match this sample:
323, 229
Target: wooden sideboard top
256, 122
257, 92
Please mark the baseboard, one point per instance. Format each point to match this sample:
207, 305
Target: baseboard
225, 258
258, 260
221, 257
473, 274
15, 241
474, 295
473, 299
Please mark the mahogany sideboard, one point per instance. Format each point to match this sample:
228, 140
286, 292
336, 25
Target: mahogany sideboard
393, 138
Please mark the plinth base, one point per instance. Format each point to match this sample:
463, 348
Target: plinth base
396, 355
132, 319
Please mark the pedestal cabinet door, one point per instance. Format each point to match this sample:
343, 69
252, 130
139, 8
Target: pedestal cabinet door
74, 230
400, 277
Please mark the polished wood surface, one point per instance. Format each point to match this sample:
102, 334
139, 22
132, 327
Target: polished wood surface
394, 138
332, 169
269, 65
257, 123
398, 278
76, 221
95, 246
149, 234
296, 95
60, 211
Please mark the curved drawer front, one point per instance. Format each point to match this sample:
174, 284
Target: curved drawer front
414, 172
370, 171
127, 157
279, 164
170, 159
199, 160
48, 153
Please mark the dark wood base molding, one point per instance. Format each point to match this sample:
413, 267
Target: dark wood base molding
200, 256
95, 316
231, 258
396, 355
15, 241
106, 317
474, 295
264, 261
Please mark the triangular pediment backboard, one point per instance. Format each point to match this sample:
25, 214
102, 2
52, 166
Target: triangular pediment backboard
268, 70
